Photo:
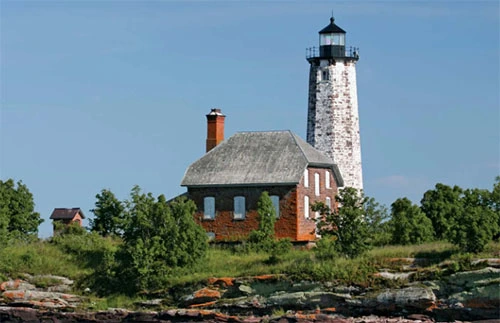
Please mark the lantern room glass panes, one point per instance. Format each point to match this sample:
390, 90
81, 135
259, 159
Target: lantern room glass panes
332, 39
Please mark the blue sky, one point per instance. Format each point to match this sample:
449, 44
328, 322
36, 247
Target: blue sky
109, 94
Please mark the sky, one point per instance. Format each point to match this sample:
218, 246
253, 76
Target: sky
111, 94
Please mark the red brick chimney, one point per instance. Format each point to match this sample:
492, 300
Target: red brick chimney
215, 128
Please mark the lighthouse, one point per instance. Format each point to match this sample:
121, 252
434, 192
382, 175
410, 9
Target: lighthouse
332, 118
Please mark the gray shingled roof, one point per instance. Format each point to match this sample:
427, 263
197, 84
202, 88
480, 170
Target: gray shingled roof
257, 158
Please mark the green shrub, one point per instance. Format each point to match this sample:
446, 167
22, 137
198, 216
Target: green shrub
346, 224
409, 224
476, 224
325, 248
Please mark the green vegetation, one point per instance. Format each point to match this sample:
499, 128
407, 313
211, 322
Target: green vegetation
345, 225
109, 215
160, 239
468, 218
263, 239
409, 224
18, 219
147, 245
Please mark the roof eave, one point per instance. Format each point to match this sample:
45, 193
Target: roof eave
241, 184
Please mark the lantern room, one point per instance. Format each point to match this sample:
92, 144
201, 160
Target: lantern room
332, 41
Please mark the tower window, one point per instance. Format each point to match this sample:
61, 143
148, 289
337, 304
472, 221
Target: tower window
325, 75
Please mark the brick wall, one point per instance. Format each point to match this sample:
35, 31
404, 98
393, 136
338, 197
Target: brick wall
291, 222
307, 227
225, 227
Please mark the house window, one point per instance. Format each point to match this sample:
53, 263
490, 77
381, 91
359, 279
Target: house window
209, 207
276, 204
306, 207
239, 207
327, 179
316, 184
329, 203
306, 178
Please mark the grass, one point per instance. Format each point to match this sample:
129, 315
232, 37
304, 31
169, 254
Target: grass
436, 249
39, 258
44, 257
44, 281
221, 262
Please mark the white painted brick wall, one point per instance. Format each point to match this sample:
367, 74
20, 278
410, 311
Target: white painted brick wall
333, 120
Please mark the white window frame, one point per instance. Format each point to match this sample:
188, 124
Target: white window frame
306, 207
328, 202
209, 208
306, 177
316, 184
239, 208
327, 179
276, 204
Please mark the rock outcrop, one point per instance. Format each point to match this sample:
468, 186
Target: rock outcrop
468, 295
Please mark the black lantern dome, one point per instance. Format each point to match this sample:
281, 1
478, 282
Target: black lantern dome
332, 40
332, 43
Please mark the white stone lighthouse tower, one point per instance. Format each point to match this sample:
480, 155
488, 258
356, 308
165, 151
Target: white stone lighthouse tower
332, 118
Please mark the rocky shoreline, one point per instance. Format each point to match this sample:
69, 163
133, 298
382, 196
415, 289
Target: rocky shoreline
415, 296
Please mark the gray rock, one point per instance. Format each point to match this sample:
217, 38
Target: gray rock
32, 295
347, 290
151, 302
59, 289
491, 262
415, 297
16, 284
246, 290
394, 276
286, 299
306, 299
62, 280
305, 286
478, 297
470, 279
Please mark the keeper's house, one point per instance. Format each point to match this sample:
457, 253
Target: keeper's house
228, 180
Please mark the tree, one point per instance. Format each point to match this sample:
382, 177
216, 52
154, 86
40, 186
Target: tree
441, 205
476, 224
267, 215
159, 237
262, 239
410, 225
346, 224
18, 218
108, 215
495, 201
376, 217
